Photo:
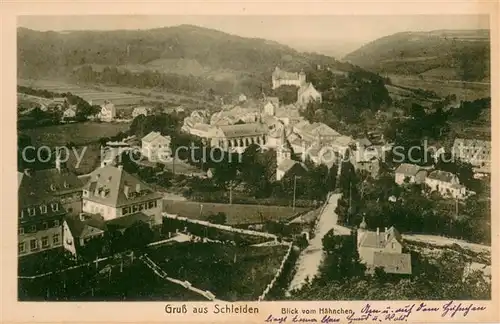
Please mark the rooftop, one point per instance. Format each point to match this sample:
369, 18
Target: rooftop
441, 176
42, 185
398, 263
408, 169
112, 186
242, 130
372, 240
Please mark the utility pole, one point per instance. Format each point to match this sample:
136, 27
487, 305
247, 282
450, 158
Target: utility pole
294, 190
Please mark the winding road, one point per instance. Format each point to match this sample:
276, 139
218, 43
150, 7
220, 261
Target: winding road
311, 257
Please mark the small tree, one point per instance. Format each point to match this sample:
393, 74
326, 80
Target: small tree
219, 218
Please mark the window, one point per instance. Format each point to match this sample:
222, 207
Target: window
45, 225
151, 204
43, 209
141, 206
21, 247
22, 213
84, 204
31, 211
135, 208
56, 223
393, 245
20, 230
55, 206
33, 244
33, 228
55, 239
45, 242
125, 211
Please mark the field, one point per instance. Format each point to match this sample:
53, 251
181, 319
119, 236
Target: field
78, 133
93, 95
123, 97
135, 283
463, 90
236, 213
230, 273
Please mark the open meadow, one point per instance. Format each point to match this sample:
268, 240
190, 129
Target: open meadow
78, 133
466, 91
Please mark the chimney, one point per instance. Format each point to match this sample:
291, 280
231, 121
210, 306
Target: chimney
385, 229
120, 167
126, 190
378, 231
138, 187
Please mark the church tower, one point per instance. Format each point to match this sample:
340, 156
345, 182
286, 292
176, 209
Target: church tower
361, 231
283, 151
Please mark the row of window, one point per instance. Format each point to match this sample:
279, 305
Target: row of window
43, 209
35, 245
139, 207
33, 228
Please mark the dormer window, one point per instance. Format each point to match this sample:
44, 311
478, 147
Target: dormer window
31, 211
43, 209
55, 206
52, 187
66, 185
85, 193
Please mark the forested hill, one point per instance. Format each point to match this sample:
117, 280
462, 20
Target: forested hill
447, 54
184, 50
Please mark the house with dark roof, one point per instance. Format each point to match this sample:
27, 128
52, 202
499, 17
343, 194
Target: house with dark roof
409, 173
113, 193
79, 230
446, 183
44, 198
383, 249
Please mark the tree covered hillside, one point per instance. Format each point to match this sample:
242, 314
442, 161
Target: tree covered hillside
447, 54
184, 50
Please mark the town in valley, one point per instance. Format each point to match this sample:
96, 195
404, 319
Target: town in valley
185, 163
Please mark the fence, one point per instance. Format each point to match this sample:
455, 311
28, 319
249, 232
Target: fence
278, 273
186, 284
222, 227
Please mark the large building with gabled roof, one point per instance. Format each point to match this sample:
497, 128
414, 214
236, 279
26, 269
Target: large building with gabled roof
114, 193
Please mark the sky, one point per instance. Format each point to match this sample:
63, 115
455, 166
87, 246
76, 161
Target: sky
287, 29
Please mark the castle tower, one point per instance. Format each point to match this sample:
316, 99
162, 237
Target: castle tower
302, 77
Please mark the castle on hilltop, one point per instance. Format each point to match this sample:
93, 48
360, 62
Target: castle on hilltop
281, 77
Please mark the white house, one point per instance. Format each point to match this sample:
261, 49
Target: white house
140, 111
113, 193
271, 106
446, 183
69, 113
108, 112
383, 249
156, 147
